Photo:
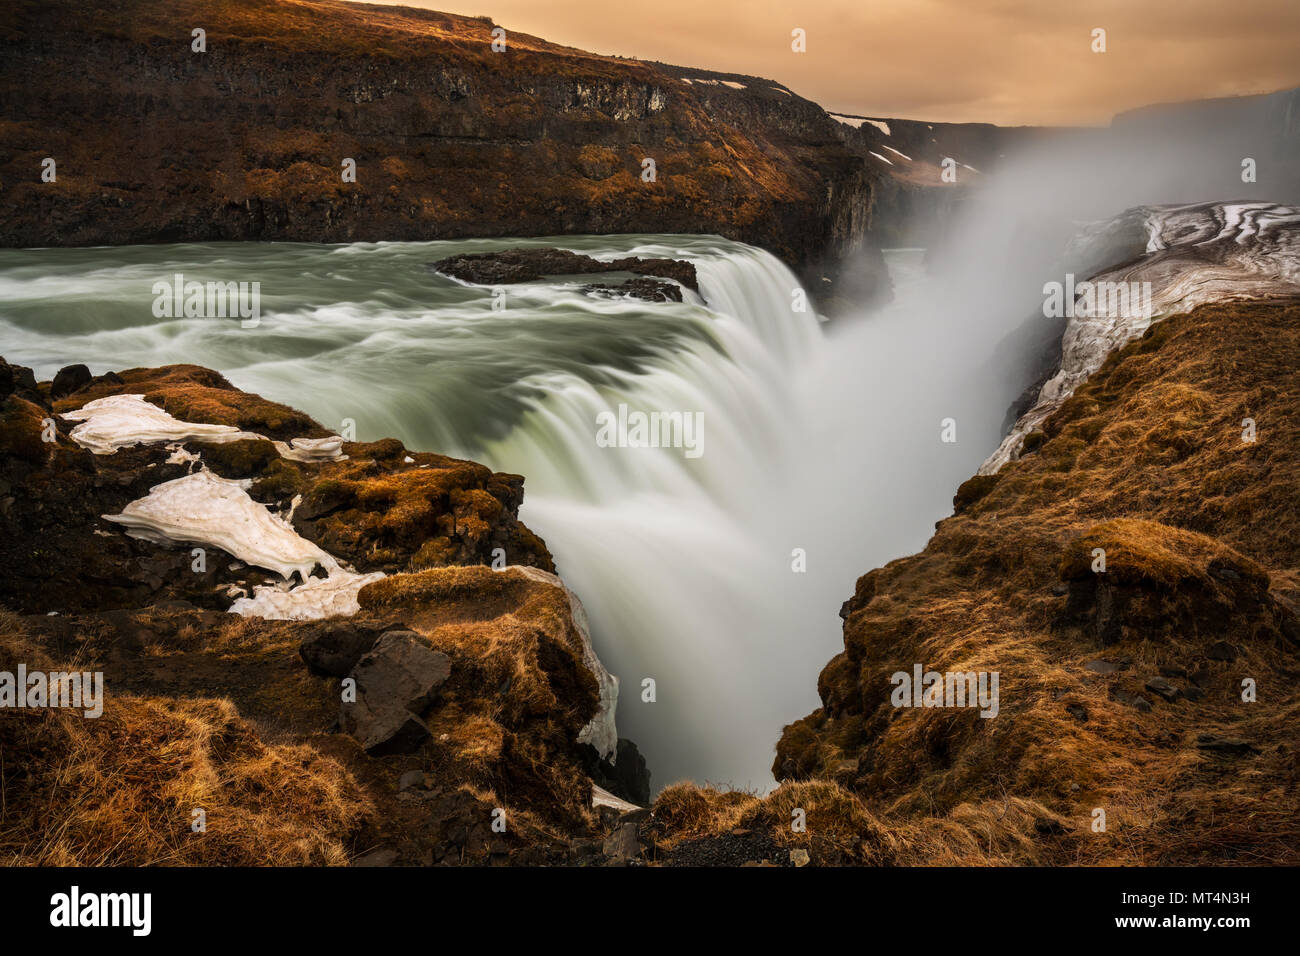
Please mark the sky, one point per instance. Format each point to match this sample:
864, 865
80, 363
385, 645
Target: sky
1010, 62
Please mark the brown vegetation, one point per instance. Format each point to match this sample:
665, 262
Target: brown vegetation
1199, 527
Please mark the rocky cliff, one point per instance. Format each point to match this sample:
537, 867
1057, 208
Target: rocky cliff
154, 142
326, 651
1128, 570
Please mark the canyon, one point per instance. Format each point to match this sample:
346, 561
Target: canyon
351, 468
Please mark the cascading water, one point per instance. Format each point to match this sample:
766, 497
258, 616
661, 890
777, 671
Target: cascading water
828, 443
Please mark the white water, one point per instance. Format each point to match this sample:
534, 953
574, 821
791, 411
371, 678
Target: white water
825, 441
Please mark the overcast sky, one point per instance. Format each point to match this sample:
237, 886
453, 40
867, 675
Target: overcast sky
1002, 61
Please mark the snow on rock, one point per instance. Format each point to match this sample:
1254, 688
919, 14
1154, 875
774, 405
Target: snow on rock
897, 153
857, 121
312, 449
882, 159
119, 421
600, 731
600, 797
854, 121
204, 509
332, 596
1197, 253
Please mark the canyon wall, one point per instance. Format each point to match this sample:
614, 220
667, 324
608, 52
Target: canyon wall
154, 142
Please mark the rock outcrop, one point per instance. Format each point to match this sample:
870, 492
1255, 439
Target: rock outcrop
472, 681
1132, 579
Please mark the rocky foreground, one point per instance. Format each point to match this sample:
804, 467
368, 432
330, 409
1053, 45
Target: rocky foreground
337, 651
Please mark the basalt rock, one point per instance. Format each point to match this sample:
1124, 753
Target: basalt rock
530, 265
452, 140
395, 681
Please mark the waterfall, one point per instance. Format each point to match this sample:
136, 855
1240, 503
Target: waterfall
820, 441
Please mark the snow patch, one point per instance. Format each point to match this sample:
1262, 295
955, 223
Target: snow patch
1198, 253
600, 797
120, 421
312, 449
204, 509
332, 596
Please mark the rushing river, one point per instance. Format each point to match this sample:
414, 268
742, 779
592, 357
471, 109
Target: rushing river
821, 438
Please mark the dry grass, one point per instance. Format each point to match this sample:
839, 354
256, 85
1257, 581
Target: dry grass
120, 790
1146, 461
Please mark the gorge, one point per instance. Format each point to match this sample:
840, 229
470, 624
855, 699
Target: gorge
391, 455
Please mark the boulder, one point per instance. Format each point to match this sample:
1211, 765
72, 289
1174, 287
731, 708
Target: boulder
335, 648
1158, 685
69, 379
396, 679
623, 844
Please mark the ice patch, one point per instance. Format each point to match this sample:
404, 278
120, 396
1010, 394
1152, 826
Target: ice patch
332, 596
120, 421
203, 509
600, 797
312, 449
1199, 253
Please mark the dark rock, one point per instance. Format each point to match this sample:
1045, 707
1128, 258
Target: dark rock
1102, 666
395, 680
383, 856
1132, 700
1233, 746
530, 265
1077, 711
1193, 693
69, 379
580, 849
627, 777
623, 843
638, 816
1158, 685
336, 648
649, 290
410, 780
1222, 651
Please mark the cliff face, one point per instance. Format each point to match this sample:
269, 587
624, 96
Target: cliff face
154, 142
1128, 688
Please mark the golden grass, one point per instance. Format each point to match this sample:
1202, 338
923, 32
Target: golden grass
1146, 461
120, 790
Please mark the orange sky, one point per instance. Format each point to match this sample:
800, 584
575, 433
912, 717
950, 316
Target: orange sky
1002, 61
